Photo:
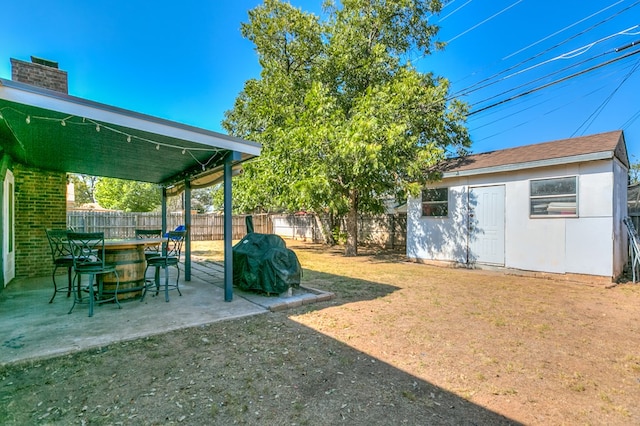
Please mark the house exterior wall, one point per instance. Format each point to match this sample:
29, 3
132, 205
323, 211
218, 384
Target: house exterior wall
40, 203
588, 244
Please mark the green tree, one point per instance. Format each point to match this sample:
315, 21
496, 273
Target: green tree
201, 200
634, 172
83, 187
127, 195
344, 120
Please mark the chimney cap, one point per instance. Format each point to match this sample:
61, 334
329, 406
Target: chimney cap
45, 62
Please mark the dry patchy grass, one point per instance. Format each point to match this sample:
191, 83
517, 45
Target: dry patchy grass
402, 343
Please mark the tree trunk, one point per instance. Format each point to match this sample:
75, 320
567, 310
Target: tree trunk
327, 224
351, 249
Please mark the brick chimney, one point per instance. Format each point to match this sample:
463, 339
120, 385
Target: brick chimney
40, 72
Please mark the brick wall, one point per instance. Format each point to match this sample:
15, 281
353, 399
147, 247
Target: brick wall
40, 203
46, 76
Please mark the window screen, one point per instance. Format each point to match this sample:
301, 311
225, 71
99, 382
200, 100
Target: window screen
554, 197
435, 202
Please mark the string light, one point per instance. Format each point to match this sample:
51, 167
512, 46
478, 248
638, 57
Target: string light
83, 121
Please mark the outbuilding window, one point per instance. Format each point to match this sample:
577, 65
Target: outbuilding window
435, 202
554, 197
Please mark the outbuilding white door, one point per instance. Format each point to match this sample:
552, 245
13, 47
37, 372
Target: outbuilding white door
486, 224
8, 237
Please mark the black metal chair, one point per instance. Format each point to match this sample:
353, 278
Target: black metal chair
153, 250
170, 256
87, 249
61, 257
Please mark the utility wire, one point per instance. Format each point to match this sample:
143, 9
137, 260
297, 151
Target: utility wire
605, 77
601, 107
472, 88
454, 11
546, 76
566, 28
544, 86
567, 55
485, 21
631, 120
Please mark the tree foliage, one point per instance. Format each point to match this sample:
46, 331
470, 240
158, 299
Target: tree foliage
634, 172
83, 188
345, 121
127, 195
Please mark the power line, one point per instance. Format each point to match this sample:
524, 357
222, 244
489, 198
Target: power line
472, 88
605, 77
601, 107
566, 28
454, 11
544, 77
485, 21
544, 86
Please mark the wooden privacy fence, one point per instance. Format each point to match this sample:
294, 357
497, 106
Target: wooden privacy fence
385, 230
204, 227
389, 230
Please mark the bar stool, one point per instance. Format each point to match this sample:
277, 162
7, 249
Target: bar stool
87, 249
61, 257
170, 257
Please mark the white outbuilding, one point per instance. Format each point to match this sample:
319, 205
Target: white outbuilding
554, 207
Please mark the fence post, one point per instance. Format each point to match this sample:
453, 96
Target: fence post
393, 232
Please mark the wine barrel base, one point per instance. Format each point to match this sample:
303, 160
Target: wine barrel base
130, 264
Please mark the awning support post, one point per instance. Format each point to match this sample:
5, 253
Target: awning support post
187, 225
164, 210
228, 228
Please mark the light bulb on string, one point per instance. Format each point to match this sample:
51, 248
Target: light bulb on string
183, 151
97, 127
28, 119
63, 123
129, 138
158, 147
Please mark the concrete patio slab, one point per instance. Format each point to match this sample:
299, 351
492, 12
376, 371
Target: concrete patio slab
31, 328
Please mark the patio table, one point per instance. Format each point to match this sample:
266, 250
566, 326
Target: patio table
128, 256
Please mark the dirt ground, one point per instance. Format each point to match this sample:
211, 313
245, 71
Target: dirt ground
402, 343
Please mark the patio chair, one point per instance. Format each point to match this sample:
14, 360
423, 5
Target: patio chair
87, 249
170, 257
151, 250
61, 257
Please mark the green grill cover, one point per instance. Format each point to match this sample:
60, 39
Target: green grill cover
263, 263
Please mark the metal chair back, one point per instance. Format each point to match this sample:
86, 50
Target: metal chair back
87, 249
154, 249
173, 245
58, 243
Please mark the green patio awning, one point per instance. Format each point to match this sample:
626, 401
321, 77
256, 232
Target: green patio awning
54, 131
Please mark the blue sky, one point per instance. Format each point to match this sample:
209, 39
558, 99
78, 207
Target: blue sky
186, 61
